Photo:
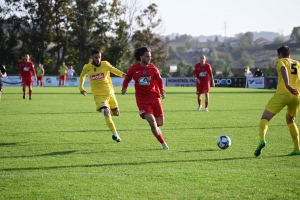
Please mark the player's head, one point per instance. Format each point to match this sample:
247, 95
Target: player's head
202, 59
283, 52
143, 54
40, 65
26, 57
96, 57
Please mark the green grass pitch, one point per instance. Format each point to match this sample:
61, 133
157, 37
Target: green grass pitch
57, 146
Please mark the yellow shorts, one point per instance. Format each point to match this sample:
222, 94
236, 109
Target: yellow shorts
109, 101
279, 101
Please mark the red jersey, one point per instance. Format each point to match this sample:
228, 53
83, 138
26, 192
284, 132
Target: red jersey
203, 73
148, 82
26, 69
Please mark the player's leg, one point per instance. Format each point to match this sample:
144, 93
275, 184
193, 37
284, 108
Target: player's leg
274, 106
206, 101
102, 106
24, 83
155, 120
292, 110
0, 92
30, 91
198, 92
113, 104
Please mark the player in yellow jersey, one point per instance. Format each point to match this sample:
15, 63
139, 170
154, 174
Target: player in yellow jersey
102, 89
287, 94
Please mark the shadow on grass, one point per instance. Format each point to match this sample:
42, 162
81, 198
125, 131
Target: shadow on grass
130, 163
7, 144
56, 153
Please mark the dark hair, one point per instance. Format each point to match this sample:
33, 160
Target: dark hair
285, 50
95, 51
140, 51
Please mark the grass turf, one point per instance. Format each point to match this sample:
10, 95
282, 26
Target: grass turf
57, 146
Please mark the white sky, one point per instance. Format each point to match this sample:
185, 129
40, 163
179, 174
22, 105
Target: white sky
208, 17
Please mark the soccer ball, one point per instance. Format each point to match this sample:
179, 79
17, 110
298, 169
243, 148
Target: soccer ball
224, 142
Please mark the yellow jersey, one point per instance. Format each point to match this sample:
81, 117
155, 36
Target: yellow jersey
99, 78
293, 72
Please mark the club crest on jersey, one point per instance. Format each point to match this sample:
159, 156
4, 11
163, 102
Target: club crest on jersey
202, 74
95, 69
144, 72
144, 81
97, 76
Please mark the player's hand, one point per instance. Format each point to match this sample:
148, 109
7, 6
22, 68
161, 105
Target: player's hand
123, 91
292, 90
83, 92
163, 95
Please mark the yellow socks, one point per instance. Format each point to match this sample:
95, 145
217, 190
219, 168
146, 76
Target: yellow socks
295, 135
263, 128
110, 124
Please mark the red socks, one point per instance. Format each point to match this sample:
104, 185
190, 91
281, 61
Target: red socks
160, 138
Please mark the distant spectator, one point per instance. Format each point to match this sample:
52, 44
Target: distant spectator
248, 73
40, 72
71, 71
258, 73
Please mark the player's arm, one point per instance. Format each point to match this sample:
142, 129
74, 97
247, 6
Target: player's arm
82, 79
160, 84
3, 72
126, 81
20, 72
33, 71
116, 71
285, 77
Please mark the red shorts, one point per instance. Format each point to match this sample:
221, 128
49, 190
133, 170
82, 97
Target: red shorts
202, 88
150, 107
63, 77
27, 81
39, 78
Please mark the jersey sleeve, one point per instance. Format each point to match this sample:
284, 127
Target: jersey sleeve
82, 77
33, 70
159, 81
114, 70
127, 79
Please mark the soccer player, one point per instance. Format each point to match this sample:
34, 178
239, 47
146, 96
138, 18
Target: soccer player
40, 75
26, 71
203, 75
287, 94
63, 71
149, 88
2, 75
102, 89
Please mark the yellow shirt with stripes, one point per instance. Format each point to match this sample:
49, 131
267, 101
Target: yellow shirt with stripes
99, 78
293, 72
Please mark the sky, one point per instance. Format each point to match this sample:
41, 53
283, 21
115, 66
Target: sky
227, 17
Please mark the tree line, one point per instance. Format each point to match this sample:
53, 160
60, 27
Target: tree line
56, 31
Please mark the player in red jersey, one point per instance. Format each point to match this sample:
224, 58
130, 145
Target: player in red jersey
26, 71
149, 88
2, 75
203, 75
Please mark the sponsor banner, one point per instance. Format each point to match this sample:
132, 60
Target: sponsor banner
54, 81
230, 82
256, 82
219, 82
181, 82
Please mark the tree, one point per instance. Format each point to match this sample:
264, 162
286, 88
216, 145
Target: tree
33, 25
278, 40
295, 35
146, 36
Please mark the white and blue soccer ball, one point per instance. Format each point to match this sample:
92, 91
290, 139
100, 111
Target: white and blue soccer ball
224, 142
